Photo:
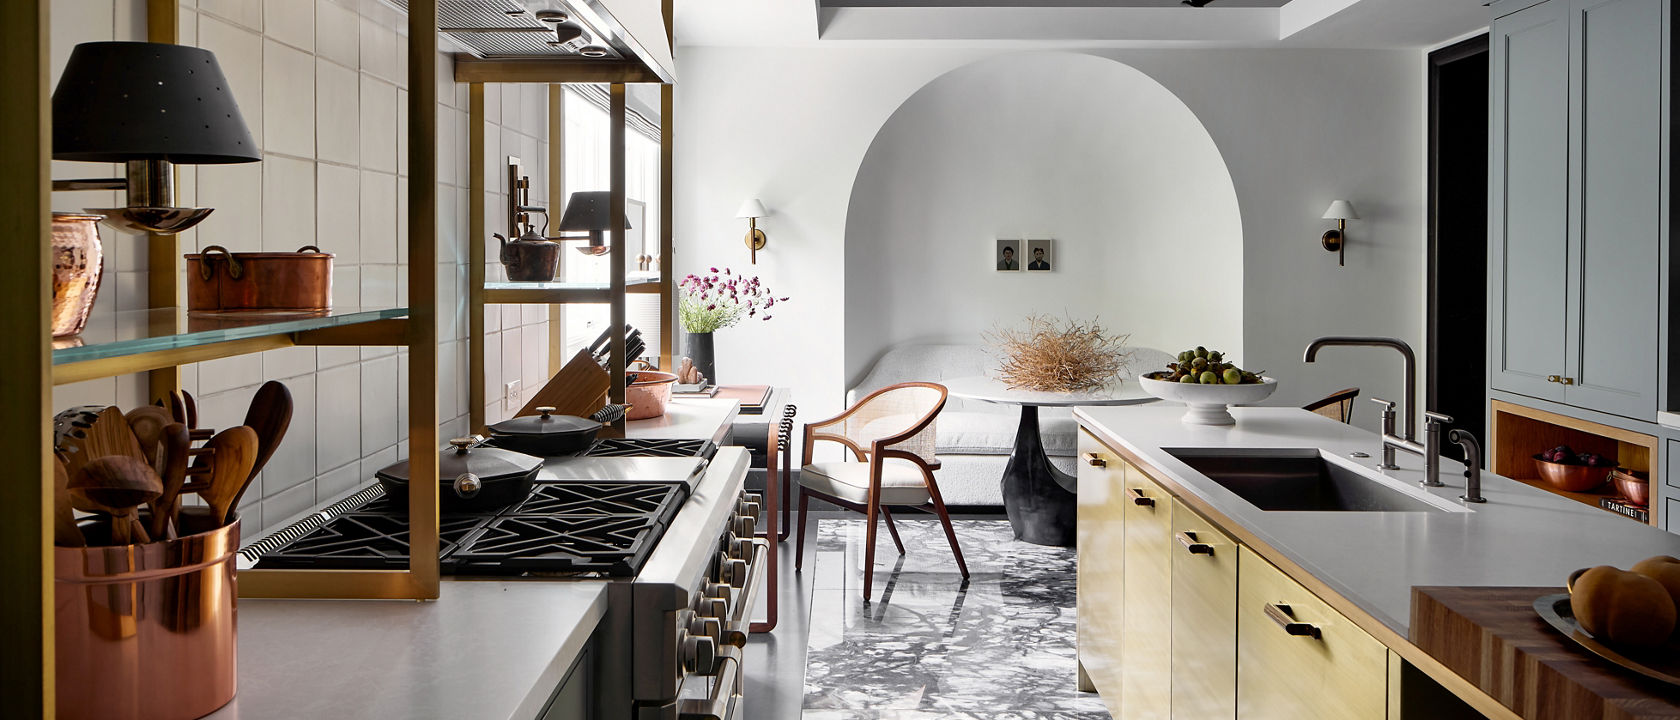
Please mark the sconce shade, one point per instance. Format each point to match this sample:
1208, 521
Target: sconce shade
1341, 210
122, 101
752, 208
589, 210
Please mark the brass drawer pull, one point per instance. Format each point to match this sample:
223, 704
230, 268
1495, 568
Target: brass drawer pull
1138, 498
1569, 381
1554, 378
1285, 618
1188, 540
1095, 460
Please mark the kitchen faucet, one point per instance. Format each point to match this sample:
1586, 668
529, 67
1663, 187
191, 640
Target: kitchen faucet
1430, 450
1472, 465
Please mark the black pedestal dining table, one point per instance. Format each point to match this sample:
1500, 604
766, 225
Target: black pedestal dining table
1038, 498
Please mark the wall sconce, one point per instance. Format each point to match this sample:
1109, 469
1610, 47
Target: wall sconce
1335, 239
752, 210
149, 106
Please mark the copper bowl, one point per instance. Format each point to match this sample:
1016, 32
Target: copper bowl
649, 394
1636, 489
1571, 478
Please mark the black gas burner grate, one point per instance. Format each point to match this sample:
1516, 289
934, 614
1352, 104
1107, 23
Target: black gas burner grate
657, 500
609, 544
652, 447
366, 541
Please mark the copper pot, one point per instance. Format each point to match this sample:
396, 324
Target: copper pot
648, 394
1636, 489
147, 631
1571, 478
78, 262
218, 280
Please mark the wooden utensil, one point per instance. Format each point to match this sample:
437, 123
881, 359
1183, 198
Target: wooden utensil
269, 415
230, 470
177, 408
174, 450
192, 409
147, 423
65, 532
117, 485
107, 434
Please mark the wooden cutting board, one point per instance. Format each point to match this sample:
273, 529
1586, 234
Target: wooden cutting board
1492, 637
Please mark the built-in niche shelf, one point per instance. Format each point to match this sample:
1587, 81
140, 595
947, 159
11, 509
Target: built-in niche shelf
1519, 433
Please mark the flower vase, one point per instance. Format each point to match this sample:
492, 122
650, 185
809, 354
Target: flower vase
699, 351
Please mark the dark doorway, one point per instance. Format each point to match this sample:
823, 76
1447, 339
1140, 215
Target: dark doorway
1458, 199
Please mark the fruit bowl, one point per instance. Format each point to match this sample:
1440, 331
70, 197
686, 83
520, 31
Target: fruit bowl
1207, 403
1636, 489
1571, 478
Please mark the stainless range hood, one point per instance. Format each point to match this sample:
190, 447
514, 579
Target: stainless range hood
614, 31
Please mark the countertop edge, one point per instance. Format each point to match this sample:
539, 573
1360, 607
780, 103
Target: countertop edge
551, 676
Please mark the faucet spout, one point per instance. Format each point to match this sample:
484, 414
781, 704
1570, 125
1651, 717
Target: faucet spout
1400, 346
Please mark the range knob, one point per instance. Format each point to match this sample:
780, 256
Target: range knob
748, 509
753, 498
714, 608
699, 654
705, 627
734, 572
740, 549
744, 526
717, 590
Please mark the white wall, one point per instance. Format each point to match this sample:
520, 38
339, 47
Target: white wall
1077, 148
1296, 128
322, 85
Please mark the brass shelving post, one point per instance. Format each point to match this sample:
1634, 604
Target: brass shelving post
163, 252
26, 589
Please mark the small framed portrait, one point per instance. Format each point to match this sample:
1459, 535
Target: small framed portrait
1040, 255
1007, 255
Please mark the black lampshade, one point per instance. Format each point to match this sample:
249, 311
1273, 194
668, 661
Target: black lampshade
589, 210
121, 101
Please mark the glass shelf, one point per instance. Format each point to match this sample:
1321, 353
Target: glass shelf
512, 293
163, 330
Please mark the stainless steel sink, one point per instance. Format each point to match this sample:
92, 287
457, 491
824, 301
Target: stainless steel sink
1305, 480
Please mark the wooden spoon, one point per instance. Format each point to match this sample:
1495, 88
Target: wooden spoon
148, 423
192, 409
65, 531
173, 454
117, 485
177, 408
230, 470
269, 415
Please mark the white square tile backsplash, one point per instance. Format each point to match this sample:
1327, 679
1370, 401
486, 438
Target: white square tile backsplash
318, 84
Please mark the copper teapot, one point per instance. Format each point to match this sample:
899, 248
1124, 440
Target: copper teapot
530, 257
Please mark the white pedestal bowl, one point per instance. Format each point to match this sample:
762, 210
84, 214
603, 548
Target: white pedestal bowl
1207, 403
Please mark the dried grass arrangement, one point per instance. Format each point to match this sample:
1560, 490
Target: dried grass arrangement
1051, 355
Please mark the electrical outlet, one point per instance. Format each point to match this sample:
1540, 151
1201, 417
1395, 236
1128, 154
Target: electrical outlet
510, 397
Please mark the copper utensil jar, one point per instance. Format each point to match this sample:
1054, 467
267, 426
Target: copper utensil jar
78, 261
220, 281
147, 632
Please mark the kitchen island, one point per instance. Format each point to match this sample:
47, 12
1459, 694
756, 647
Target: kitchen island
1138, 493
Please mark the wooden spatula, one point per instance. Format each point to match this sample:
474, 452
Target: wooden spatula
107, 434
269, 415
117, 485
65, 532
174, 450
230, 470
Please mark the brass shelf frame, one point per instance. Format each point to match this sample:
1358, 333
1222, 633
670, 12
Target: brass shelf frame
556, 73
27, 659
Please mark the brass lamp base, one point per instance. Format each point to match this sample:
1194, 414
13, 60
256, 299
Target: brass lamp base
1334, 242
756, 240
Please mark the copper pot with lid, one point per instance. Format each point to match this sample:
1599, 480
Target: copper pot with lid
471, 478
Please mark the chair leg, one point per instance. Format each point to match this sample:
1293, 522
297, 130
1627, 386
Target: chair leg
892, 529
869, 551
950, 534
799, 545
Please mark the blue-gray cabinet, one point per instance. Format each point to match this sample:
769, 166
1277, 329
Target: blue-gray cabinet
1577, 211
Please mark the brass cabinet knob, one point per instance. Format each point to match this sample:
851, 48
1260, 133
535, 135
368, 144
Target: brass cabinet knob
1554, 378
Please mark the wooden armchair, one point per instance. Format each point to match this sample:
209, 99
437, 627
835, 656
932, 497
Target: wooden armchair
891, 435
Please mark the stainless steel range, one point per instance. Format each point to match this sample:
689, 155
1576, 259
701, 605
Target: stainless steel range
670, 530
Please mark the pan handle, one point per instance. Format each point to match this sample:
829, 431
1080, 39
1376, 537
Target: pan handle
235, 269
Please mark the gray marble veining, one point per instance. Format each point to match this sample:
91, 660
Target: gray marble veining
1000, 646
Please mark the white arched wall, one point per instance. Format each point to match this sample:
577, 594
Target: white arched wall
1083, 149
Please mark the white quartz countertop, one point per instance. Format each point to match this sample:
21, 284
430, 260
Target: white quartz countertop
483, 649
1521, 536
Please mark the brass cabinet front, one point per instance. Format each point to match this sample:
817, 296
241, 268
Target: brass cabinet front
1204, 618
1101, 558
1299, 659
1146, 608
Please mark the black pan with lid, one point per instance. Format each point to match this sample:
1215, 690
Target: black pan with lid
545, 435
470, 479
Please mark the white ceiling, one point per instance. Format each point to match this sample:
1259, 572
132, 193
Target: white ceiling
1078, 23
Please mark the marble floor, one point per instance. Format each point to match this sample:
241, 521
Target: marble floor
929, 645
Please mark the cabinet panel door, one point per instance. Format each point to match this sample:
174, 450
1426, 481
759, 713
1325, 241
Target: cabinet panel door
1617, 110
1146, 626
1342, 674
1101, 554
1204, 619
1528, 200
